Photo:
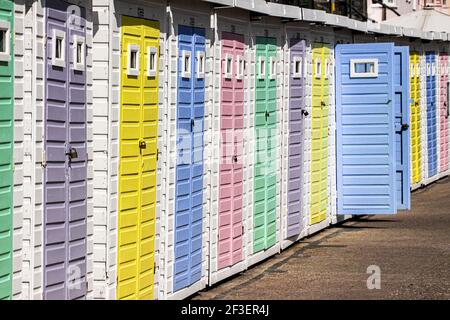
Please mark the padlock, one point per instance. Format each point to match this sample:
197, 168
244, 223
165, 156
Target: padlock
142, 144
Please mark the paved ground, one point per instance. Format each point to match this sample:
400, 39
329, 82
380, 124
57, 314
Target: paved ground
412, 249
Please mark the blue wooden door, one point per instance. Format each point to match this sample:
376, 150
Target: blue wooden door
365, 129
402, 124
431, 113
189, 168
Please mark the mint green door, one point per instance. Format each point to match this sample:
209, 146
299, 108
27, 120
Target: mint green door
6, 145
264, 212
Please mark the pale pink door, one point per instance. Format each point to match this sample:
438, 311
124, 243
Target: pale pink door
444, 112
231, 169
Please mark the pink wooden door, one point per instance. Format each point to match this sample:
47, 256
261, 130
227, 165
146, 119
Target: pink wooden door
230, 167
444, 112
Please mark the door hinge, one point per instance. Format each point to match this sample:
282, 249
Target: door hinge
243, 230
44, 159
157, 154
154, 267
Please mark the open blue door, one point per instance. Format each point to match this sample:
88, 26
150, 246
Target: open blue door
366, 157
402, 124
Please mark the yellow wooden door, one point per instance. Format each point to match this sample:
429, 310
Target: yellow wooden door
415, 118
138, 157
319, 146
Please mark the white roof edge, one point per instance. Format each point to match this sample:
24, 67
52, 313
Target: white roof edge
312, 15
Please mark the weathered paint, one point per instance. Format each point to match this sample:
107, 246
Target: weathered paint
138, 161
264, 214
296, 114
6, 155
65, 193
416, 146
443, 111
431, 113
319, 145
189, 169
366, 159
402, 125
231, 160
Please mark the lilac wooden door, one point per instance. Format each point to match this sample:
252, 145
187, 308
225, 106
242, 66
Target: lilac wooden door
443, 62
231, 168
296, 114
65, 156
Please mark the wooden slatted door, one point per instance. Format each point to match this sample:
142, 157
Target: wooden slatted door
190, 148
6, 145
138, 158
231, 163
431, 113
297, 113
65, 177
365, 130
443, 111
402, 127
264, 219
416, 156
319, 146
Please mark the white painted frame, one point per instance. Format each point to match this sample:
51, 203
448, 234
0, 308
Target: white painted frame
186, 72
298, 61
5, 27
200, 65
272, 68
152, 68
262, 68
240, 61
137, 49
79, 66
228, 72
61, 61
318, 66
355, 74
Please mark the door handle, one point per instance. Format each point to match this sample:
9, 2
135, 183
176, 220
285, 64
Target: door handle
72, 153
192, 124
322, 103
416, 104
235, 159
142, 144
267, 114
305, 113
405, 126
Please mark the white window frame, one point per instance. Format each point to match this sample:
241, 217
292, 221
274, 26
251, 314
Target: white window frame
228, 73
59, 62
186, 73
134, 48
328, 65
200, 65
433, 69
5, 56
297, 74
354, 74
318, 66
240, 67
262, 72
428, 69
152, 69
272, 68
76, 41
412, 71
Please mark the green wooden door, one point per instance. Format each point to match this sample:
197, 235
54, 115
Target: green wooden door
264, 234
6, 145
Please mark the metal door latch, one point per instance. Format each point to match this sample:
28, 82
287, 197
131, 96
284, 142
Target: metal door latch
235, 159
192, 123
405, 126
322, 103
305, 113
267, 115
142, 144
72, 153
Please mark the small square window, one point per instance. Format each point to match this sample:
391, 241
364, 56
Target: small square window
186, 64
5, 54
297, 67
363, 68
133, 60
228, 66
318, 65
59, 48
273, 68
262, 67
79, 53
428, 69
200, 64
152, 66
240, 68
433, 69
